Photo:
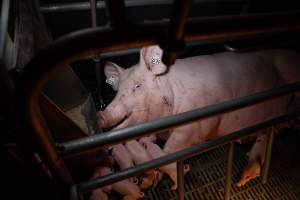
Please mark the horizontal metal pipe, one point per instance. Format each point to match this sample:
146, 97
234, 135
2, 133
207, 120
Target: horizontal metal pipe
181, 155
65, 7
165, 123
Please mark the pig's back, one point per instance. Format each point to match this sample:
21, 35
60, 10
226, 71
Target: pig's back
215, 78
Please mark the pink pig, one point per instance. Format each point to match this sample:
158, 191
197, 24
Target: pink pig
125, 187
149, 91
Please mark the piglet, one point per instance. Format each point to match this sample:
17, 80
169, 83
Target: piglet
124, 187
139, 156
151, 138
123, 158
155, 152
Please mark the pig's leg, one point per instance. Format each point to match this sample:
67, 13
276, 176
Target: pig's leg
171, 169
256, 158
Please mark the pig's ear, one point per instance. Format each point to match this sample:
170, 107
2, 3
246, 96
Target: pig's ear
151, 58
112, 69
113, 72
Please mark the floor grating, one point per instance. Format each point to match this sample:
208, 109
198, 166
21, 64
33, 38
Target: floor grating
206, 179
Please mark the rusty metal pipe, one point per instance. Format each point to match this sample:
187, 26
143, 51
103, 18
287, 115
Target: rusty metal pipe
268, 154
180, 179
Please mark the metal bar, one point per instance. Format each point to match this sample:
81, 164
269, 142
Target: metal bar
116, 13
175, 42
74, 193
181, 155
180, 179
86, 42
159, 125
268, 154
66, 7
96, 57
4, 15
229, 171
93, 12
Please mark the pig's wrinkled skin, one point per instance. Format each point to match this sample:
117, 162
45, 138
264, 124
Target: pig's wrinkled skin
139, 155
148, 91
124, 187
155, 152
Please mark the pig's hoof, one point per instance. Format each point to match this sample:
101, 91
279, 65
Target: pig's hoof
250, 172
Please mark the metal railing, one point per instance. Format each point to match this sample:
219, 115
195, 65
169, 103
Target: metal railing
92, 41
157, 126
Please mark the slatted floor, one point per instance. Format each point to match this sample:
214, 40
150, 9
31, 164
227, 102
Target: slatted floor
207, 176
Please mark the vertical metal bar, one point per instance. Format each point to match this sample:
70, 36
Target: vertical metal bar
175, 41
268, 153
116, 12
93, 4
93, 12
74, 195
180, 179
229, 171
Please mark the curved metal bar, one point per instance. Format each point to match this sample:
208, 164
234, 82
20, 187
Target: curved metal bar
83, 43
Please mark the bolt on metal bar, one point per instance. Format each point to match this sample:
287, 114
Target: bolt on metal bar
180, 179
268, 155
175, 40
229, 171
182, 154
157, 126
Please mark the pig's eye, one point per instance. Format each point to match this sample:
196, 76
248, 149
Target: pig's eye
137, 86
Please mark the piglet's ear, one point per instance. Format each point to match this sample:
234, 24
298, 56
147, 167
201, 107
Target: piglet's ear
151, 58
112, 69
113, 72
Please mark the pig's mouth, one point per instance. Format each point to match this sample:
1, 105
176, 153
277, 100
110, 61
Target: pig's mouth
122, 122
